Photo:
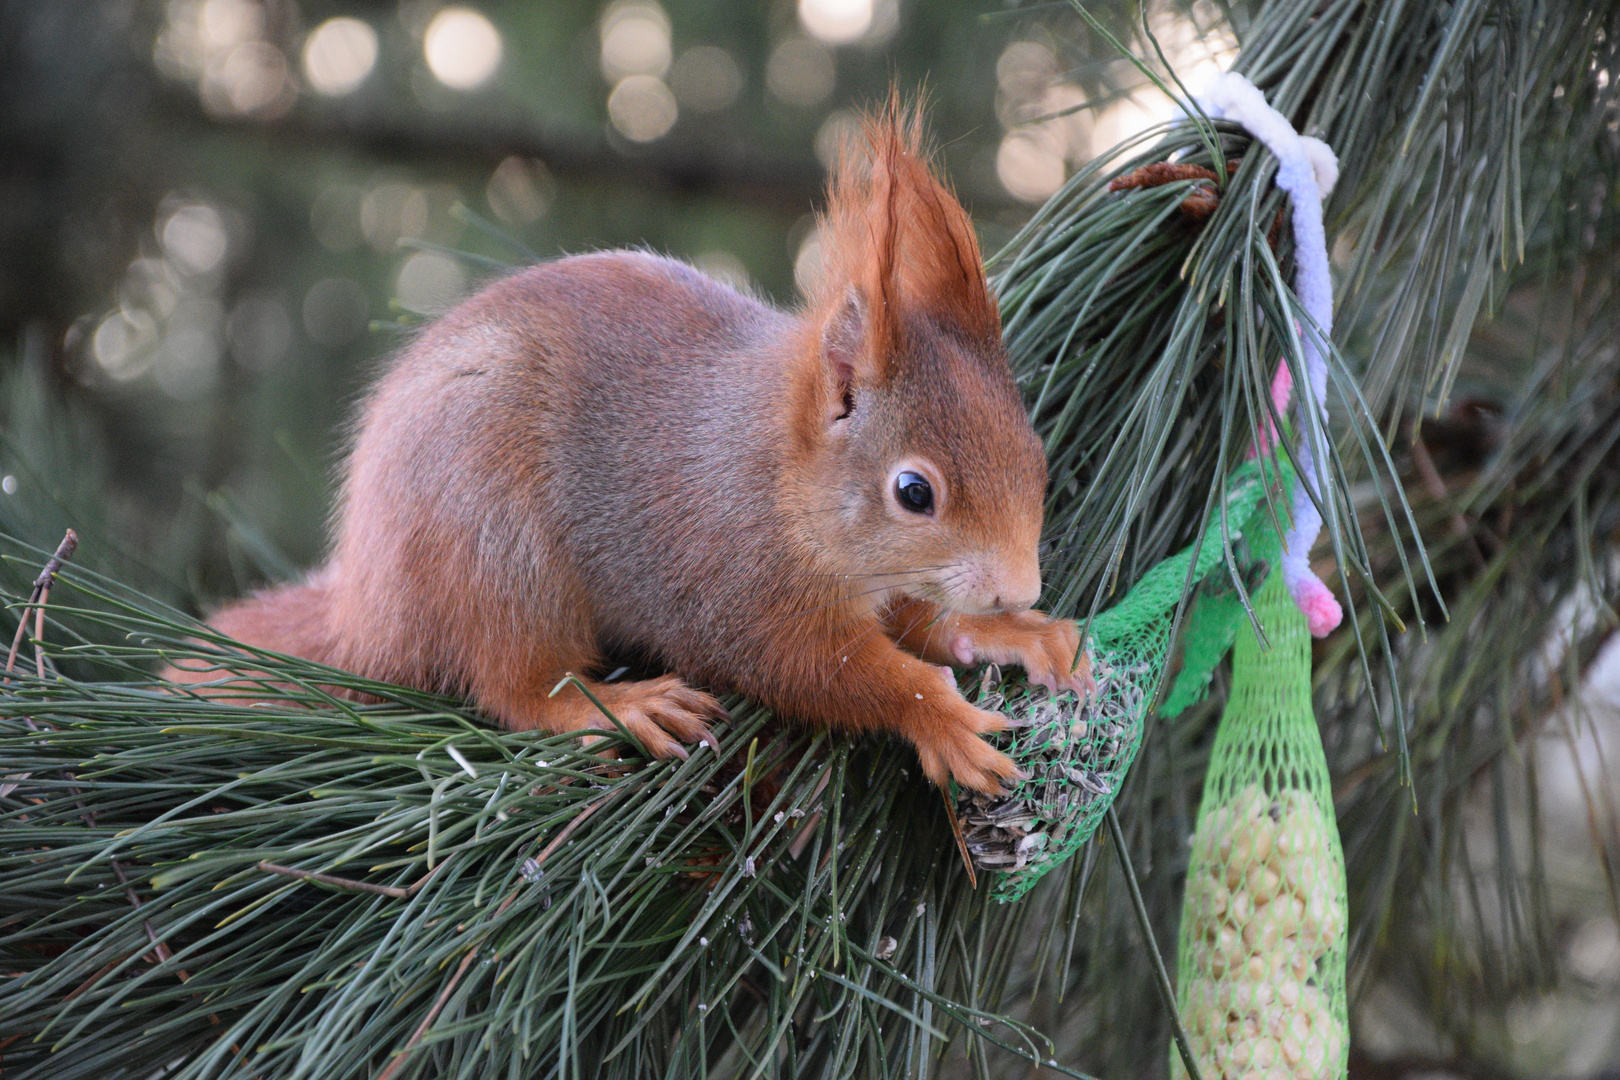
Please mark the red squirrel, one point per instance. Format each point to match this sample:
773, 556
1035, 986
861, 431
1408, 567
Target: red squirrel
613, 452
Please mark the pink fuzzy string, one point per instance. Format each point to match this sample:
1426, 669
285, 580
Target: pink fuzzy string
1317, 602
1306, 170
1282, 388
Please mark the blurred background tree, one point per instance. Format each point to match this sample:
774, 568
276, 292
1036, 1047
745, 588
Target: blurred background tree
216, 216
215, 212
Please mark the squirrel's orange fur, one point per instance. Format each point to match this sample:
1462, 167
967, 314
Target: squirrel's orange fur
614, 453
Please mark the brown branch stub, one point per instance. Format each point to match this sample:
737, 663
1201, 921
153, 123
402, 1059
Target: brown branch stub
41, 590
64, 552
1199, 203
1159, 173
568, 830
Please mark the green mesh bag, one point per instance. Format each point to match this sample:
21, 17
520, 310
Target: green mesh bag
1075, 755
1262, 948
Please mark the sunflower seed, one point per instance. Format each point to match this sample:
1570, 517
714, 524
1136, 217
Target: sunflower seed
1073, 754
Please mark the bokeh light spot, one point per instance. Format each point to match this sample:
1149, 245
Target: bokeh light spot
1023, 71
334, 217
194, 238
339, 55
801, 72
520, 190
836, 22
462, 48
442, 226
123, 344
642, 108
227, 23
186, 364
635, 40
153, 284
390, 212
841, 129
252, 79
1030, 165
706, 78
807, 263
723, 266
221, 45
1049, 129
430, 283
259, 333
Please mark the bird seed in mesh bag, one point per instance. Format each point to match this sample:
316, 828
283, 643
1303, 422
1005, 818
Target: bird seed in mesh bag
1263, 910
1075, 755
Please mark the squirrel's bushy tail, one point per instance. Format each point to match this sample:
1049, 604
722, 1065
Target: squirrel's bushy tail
291, 618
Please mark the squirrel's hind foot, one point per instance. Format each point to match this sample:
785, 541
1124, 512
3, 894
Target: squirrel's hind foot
663, 713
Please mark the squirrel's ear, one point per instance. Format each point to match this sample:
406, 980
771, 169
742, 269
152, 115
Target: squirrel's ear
894, 232
843, 346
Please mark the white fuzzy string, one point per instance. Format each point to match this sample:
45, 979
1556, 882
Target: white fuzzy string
1306, 171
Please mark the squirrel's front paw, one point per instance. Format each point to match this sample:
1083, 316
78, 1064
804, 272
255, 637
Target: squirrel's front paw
950, 745
1044, 647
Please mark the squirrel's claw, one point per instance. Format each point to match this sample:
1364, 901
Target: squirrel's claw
1047, 649
1080, 679
953, 748
665, 713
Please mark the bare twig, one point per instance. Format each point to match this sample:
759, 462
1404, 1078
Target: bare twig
88, 983
956, 831
568, 830
349, 883
159, 949
403, 1054
36, 598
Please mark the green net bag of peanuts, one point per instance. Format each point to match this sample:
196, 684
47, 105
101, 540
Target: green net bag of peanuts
1262, 947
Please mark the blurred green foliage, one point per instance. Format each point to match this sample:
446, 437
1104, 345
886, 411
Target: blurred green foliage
202, 256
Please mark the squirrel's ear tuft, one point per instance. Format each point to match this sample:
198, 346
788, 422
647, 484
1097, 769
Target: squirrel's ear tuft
895, 235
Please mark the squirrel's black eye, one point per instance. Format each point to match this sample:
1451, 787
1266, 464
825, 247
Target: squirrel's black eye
913, 492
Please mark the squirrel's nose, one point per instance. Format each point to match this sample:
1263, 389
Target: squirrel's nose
1020, 594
